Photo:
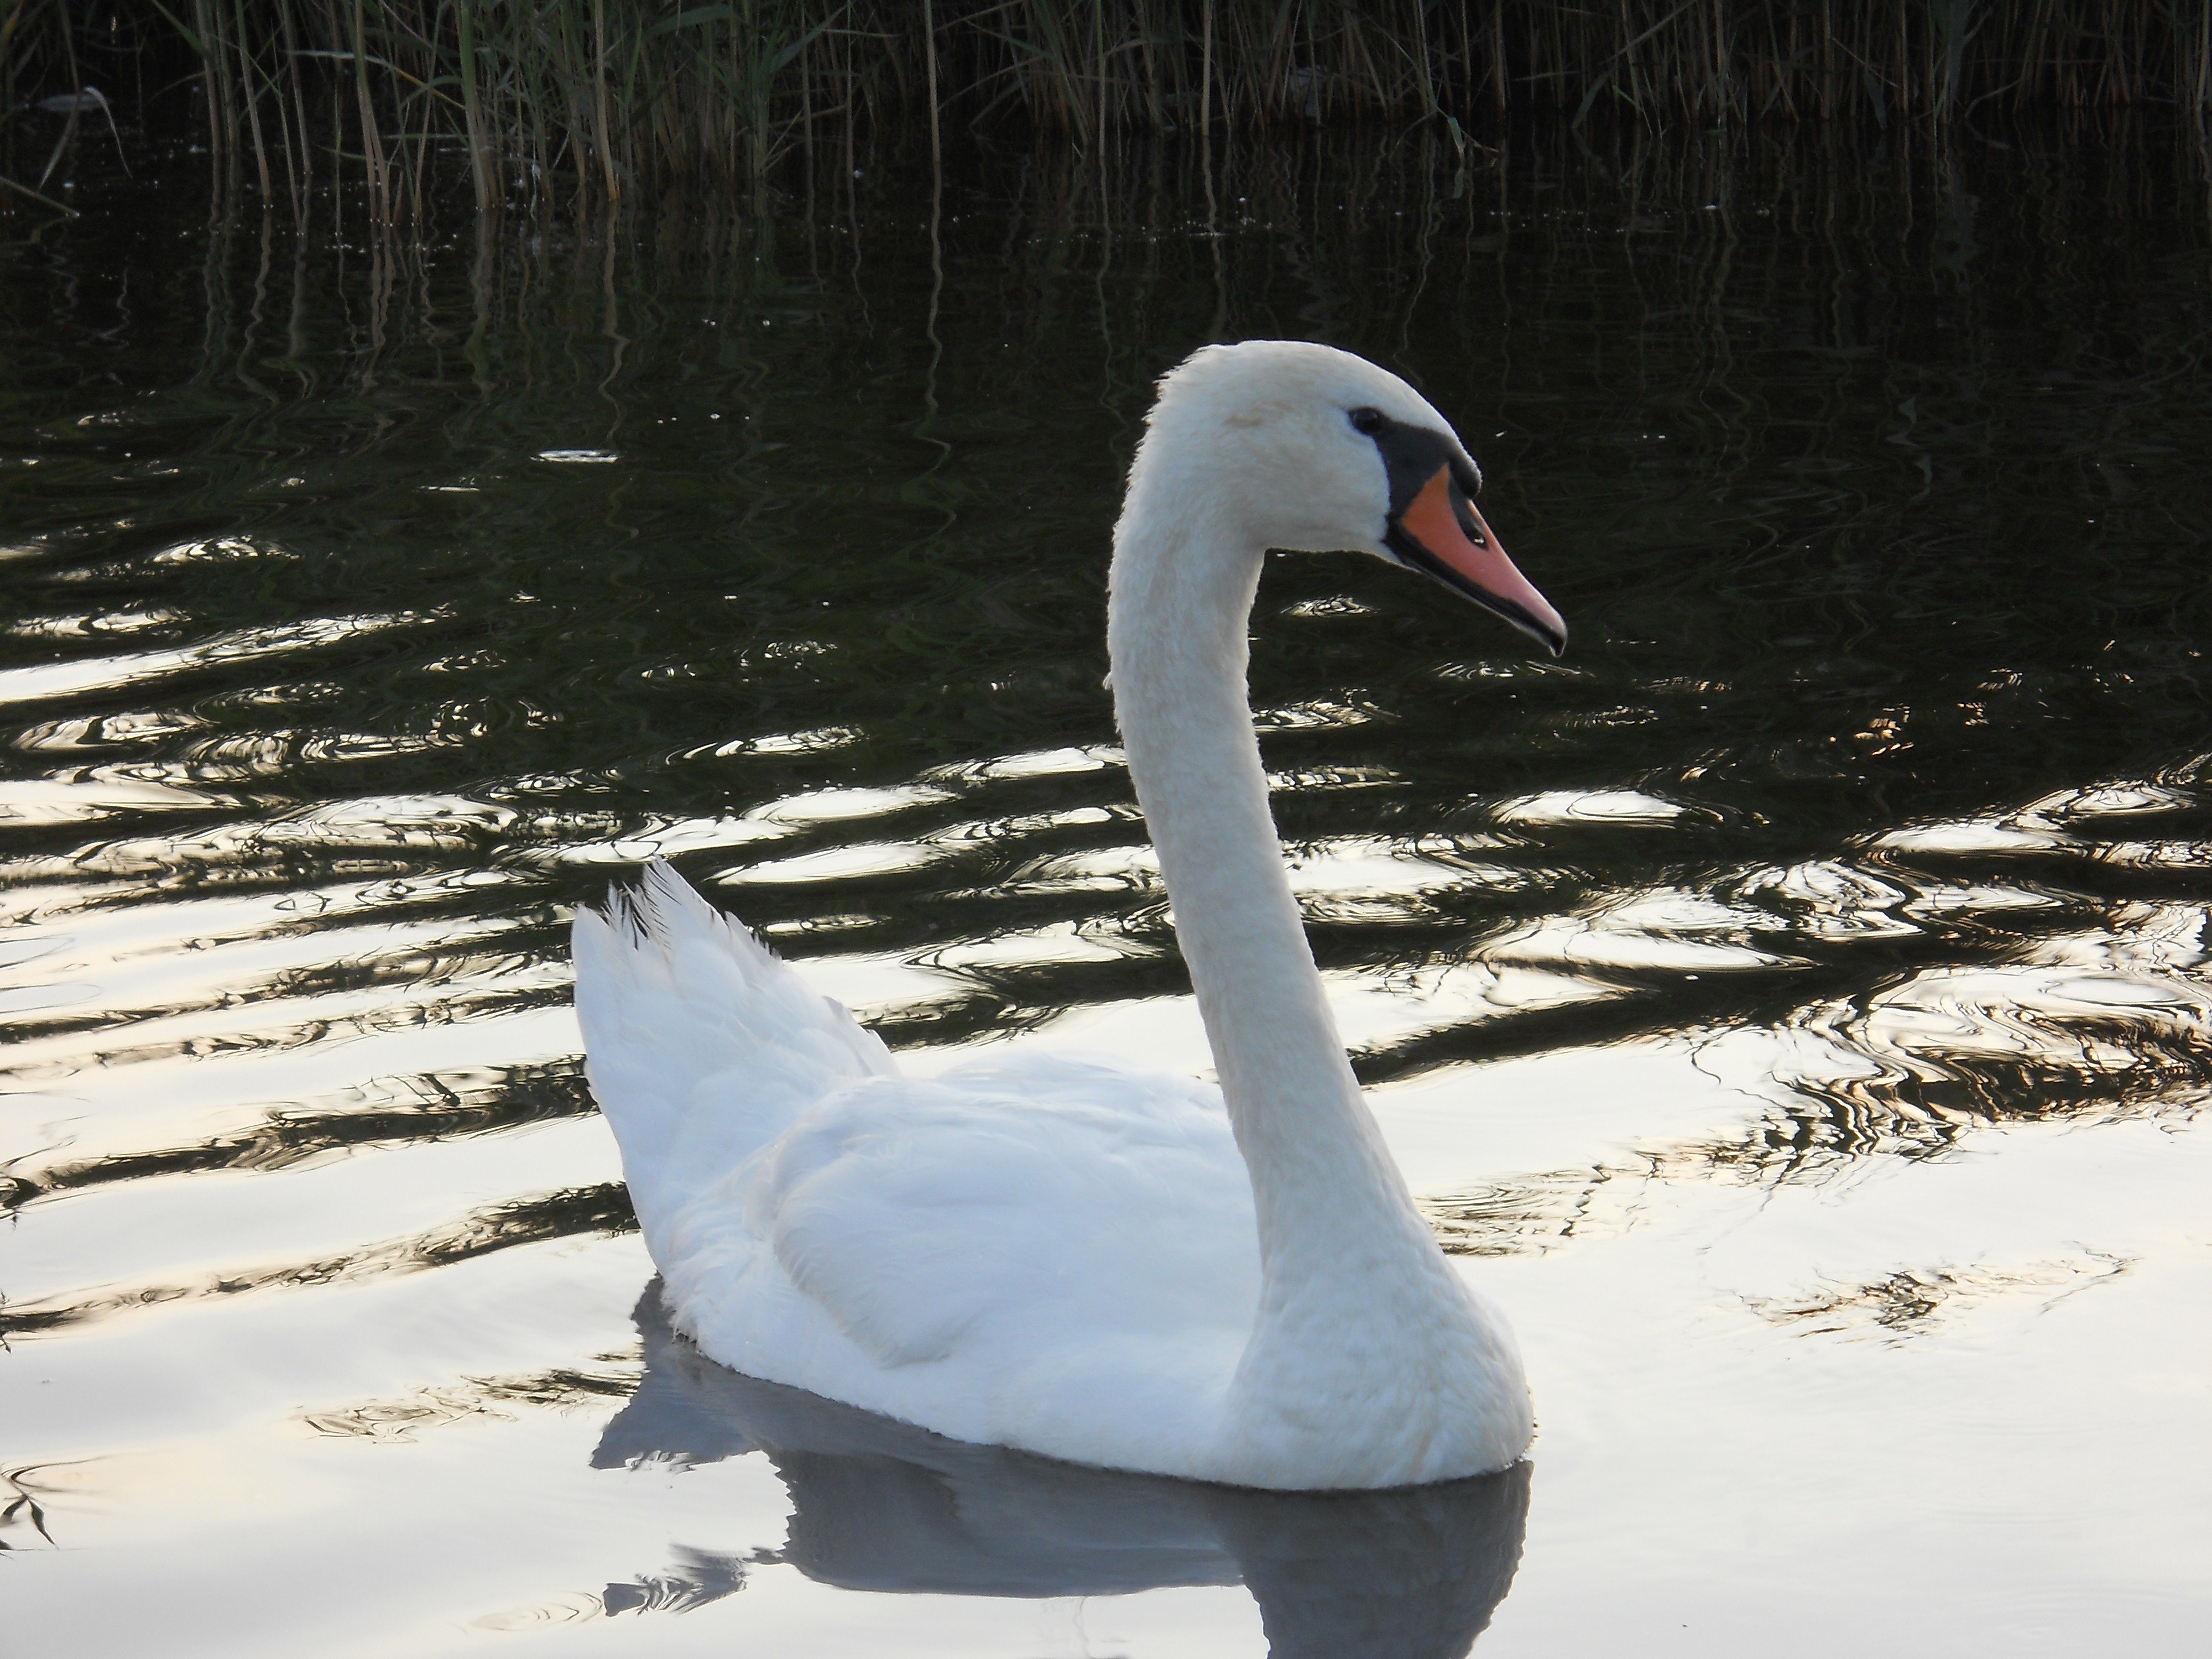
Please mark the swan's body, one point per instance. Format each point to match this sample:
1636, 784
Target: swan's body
1077, 1257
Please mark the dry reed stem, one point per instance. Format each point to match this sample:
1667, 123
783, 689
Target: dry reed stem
619, 95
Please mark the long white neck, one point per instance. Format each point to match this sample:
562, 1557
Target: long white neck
1334, 1212
1369, 1362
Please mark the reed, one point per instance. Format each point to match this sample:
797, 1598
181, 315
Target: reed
608, 97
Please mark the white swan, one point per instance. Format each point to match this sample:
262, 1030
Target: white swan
1078, 1257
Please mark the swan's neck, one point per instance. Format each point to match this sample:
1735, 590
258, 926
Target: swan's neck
1334, 1212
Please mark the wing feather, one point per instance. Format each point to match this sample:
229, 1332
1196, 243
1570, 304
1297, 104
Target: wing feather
976, 1208
702, 1046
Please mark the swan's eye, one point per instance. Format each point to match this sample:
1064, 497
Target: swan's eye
1368, 421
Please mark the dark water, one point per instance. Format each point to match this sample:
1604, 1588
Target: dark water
1794, 1003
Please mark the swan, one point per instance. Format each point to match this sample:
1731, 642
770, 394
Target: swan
1071, 1255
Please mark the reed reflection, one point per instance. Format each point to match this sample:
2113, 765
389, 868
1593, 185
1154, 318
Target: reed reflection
347, 641
880, 1505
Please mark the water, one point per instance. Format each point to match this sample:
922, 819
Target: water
1793, 1005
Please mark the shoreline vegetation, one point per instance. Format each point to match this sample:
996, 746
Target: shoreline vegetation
591, 100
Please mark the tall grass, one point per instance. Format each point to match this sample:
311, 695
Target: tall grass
608, 97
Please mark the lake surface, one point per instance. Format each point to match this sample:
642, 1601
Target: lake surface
1793, 1005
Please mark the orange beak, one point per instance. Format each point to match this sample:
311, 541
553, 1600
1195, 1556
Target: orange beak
1441, 532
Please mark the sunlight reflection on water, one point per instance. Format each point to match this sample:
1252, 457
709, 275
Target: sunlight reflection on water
1795, 1007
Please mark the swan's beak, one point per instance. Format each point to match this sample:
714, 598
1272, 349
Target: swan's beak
1441, 532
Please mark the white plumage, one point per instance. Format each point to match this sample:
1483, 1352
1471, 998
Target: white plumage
931, 1248
1064, 1252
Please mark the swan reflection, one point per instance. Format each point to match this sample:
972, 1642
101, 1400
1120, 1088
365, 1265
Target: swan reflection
881, 1506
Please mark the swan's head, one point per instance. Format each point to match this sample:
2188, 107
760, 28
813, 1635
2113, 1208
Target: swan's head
1313, 450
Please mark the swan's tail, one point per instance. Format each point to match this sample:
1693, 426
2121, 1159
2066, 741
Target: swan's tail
701, 1046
